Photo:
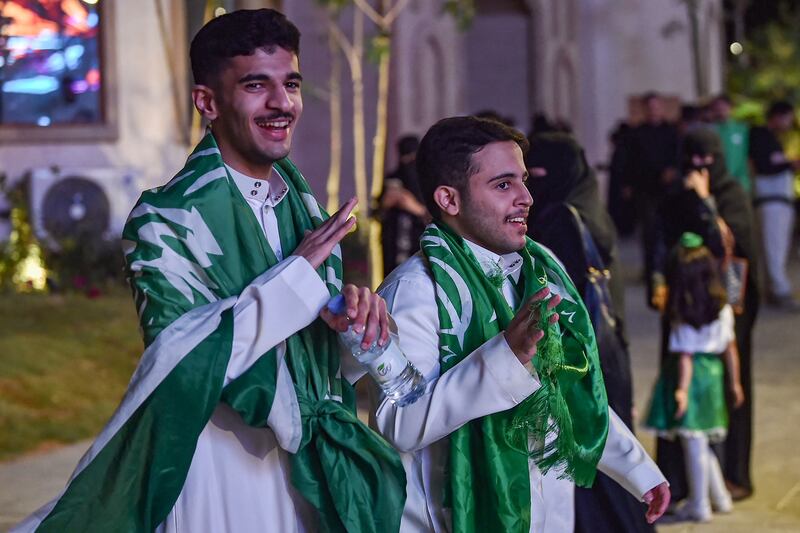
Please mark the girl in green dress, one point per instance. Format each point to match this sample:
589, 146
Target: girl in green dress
689, 397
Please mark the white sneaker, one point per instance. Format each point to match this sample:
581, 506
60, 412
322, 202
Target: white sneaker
695, 512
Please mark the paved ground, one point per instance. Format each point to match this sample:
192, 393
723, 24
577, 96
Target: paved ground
28, 483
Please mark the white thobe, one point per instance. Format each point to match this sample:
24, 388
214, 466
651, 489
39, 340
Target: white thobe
489, 380
239, 479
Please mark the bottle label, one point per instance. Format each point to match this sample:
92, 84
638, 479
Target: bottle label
388, 366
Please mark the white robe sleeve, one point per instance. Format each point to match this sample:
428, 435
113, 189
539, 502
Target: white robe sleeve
625, 461
280, 302
489, 380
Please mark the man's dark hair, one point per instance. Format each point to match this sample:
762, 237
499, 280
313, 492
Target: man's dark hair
445, 153
408, 144
652, 95
722, 97
780, 107
239, 33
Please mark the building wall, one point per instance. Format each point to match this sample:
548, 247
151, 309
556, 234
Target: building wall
428, 72
628, 47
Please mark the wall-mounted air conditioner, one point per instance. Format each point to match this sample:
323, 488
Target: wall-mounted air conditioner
80, 203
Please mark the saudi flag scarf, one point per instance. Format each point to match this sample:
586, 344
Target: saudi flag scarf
566, 419
192, 246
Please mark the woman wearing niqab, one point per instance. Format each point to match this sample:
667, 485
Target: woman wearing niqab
562, 183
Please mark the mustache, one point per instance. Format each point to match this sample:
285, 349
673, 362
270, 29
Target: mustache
276, 116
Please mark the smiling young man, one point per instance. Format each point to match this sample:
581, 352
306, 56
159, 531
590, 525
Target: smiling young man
515, 411
239, 417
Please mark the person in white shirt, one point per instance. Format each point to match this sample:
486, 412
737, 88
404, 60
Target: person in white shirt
240, 416
515, 407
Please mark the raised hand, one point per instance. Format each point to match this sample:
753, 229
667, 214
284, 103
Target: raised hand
699, 181
523, 333
317, 245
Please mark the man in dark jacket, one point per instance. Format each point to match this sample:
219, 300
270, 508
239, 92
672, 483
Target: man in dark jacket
651, 165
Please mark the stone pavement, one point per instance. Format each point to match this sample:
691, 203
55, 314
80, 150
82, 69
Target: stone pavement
29, 482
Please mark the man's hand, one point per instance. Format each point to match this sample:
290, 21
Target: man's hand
317, 245
523, 333
657, 500
365, 310
659, 298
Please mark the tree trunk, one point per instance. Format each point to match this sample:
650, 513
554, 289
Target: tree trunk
739, 10
359, 136
335, 107
692, 6
378, 164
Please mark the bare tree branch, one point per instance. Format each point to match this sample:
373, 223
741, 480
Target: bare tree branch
394, 12
370, 12
341, 39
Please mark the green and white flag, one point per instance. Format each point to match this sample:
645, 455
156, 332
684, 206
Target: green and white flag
488, 483
191, 248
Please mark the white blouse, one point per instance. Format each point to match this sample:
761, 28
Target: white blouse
711, 338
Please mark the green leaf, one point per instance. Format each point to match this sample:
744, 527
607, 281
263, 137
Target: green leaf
377, 47
463, 11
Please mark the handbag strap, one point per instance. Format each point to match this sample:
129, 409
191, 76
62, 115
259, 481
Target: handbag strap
593, 257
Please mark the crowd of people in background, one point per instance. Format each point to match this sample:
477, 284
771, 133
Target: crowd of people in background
703, 190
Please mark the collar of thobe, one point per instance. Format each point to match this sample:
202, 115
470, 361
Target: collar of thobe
493, 264
261, 192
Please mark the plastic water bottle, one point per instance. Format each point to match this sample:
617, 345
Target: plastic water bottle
397, 377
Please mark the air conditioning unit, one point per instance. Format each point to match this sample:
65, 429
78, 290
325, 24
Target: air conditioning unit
67, 202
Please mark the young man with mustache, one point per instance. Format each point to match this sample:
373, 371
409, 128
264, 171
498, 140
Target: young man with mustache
239, 417
515, 411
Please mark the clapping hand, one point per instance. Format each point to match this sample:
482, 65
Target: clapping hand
318, 244
523, 333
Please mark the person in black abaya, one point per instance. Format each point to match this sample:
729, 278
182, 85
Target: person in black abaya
402, 210
712, 204
621, 206
562, 183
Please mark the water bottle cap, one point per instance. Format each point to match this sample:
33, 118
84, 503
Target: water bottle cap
336, 305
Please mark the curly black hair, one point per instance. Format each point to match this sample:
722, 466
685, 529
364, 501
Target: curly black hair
239, 33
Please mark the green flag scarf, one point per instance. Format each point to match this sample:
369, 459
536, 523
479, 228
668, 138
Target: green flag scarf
566, 419
192, 246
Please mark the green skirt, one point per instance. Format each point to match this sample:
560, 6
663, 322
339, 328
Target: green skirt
706, 412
